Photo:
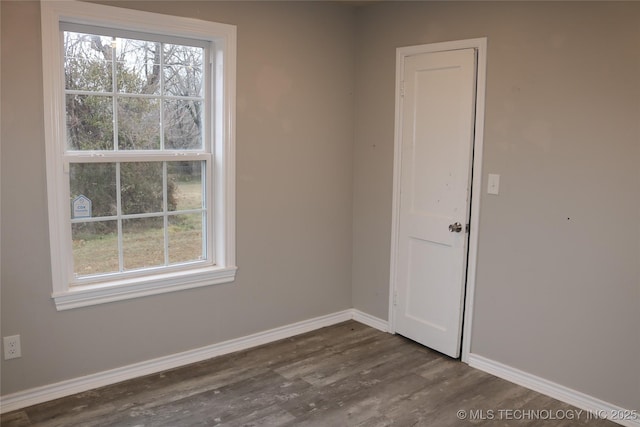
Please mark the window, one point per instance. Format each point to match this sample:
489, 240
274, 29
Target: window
140, 154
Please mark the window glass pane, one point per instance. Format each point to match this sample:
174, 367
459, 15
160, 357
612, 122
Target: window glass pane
183, 70
138, 123
95, 247
141, 187
138, 66
183, 124
88, 62
89, 122
185, 238
143, 242
185, 185
97, 183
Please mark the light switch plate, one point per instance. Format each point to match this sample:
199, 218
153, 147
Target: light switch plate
493, 186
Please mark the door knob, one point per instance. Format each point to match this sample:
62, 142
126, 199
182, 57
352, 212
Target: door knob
455, 227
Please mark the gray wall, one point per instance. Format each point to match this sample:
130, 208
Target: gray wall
558, 287
294, 170
558, 280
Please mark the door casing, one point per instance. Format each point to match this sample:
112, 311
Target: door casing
480, 45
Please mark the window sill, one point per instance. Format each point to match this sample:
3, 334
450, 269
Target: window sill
83, 296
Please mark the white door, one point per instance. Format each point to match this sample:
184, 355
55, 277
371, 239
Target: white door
436, 136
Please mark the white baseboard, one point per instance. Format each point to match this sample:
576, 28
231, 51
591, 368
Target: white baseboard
369, 320
595, 407
49, 392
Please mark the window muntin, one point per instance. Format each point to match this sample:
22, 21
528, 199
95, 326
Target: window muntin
133, 93
143, 215
147, 216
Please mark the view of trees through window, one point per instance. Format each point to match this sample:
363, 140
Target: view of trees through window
139, 97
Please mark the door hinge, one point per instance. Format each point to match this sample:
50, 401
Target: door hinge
402, 89
395, 298
467, 227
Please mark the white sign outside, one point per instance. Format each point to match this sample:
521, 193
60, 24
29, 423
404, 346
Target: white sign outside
81, 207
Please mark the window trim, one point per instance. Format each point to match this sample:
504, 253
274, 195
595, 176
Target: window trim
223, 37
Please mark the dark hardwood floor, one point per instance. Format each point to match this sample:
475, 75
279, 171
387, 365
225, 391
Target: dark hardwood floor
343, 375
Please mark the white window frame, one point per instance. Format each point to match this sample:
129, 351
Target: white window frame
220, 181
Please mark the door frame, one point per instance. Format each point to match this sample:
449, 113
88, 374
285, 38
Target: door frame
480, 46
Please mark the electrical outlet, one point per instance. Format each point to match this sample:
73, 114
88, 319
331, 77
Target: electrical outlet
12, 347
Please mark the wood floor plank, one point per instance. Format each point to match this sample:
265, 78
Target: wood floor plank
343, 375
